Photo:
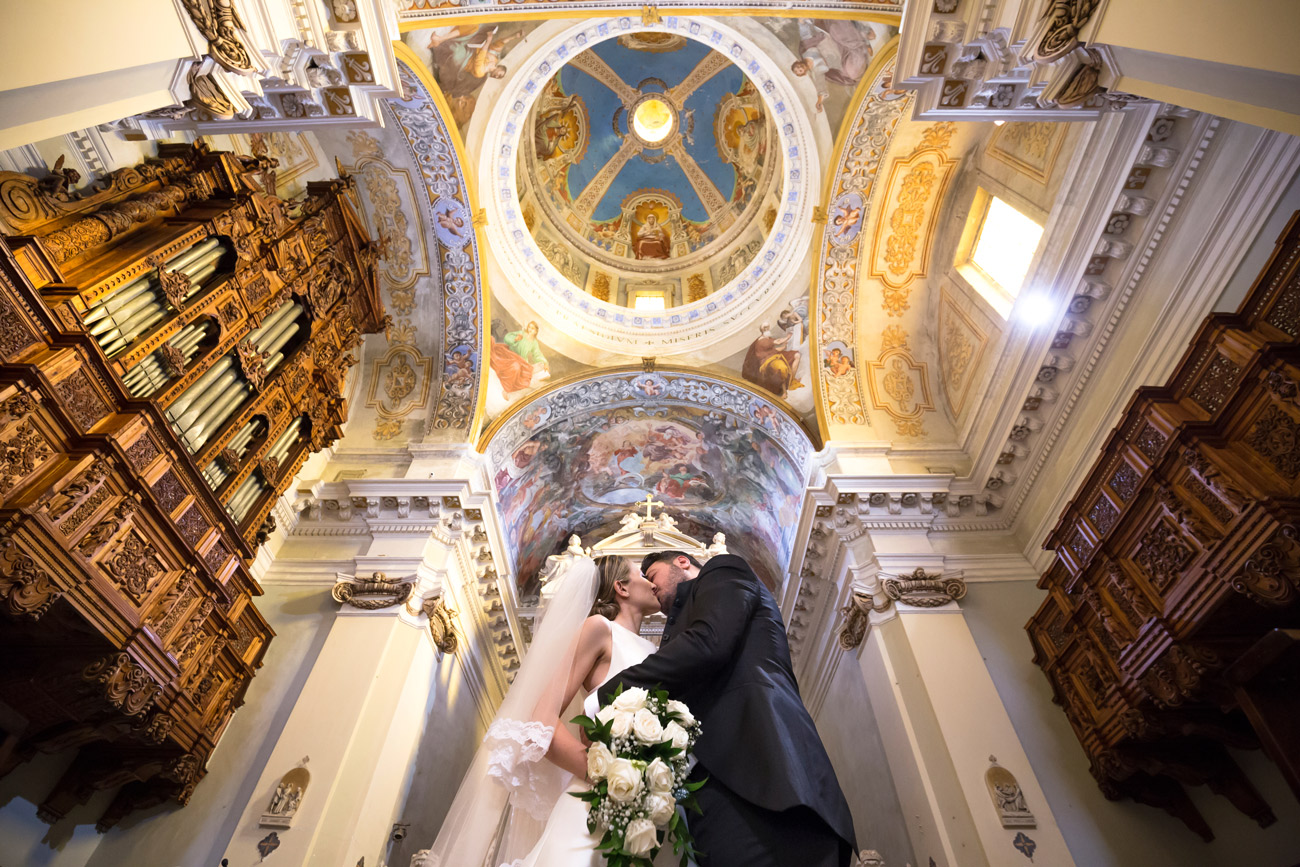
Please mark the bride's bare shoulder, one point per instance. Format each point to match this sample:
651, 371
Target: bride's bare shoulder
595, 632
596, 624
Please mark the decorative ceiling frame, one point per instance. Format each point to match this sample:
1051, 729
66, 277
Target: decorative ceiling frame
609, 327
850, 185
664, 386
421, 13
908, 205
436, 148
1140, 162
400, 376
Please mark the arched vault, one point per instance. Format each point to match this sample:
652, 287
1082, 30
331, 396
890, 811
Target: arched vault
720, 457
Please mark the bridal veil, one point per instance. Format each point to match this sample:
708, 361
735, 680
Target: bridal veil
508, 791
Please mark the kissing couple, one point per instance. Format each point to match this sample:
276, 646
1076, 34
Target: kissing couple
770, 797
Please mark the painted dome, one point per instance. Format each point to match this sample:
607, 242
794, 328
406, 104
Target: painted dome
653, 156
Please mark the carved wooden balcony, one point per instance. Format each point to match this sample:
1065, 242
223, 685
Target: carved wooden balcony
1179, 555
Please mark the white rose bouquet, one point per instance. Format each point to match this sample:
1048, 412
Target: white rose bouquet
637, 764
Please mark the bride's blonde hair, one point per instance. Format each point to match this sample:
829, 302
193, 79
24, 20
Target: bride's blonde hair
610, 571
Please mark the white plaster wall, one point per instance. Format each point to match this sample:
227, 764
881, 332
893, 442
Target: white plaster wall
26, 841
1260, 249
848, 728
451, 731
1100, 832
197, 835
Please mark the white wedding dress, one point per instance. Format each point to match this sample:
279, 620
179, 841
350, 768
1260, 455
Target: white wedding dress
565, 842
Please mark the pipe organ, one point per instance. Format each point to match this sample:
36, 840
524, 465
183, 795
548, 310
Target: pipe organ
1171, 628
173, 345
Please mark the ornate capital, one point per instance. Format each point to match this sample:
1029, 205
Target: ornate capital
924, 589
378, 591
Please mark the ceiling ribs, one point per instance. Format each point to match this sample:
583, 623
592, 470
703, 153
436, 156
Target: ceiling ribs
715, 204
591, 194
711, 65
590, 63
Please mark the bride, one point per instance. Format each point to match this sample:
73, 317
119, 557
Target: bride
513, 807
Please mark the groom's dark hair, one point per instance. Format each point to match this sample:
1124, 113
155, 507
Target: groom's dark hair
665, 557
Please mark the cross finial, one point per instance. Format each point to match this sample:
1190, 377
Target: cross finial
649, 503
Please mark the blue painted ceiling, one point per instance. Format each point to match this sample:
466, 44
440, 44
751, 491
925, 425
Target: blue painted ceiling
603, 110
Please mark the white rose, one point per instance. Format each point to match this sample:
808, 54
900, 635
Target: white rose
661, 809
631, 699
623, 780
659, 777
622, 720
679, 736
646, 727
683, 712
598, 759
640, 838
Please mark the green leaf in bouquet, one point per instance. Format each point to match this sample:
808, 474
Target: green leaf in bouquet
585, 721
695, 787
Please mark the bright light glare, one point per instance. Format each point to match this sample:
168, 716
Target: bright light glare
1035, 308
649, 301
653, 120
1006, 245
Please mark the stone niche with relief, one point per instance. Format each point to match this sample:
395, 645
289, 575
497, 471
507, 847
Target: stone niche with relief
1170, 625
173, 342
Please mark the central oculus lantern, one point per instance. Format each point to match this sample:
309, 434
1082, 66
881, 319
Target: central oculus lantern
653, 120
655, 172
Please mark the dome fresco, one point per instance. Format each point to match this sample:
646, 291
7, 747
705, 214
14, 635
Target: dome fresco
650, 153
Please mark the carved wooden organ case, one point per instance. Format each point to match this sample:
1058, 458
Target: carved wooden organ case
1173, 598
173, 345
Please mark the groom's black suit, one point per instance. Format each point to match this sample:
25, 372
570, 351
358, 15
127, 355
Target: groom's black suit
724, 653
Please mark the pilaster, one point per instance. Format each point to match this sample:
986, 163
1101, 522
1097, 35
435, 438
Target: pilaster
941, 719
412, 564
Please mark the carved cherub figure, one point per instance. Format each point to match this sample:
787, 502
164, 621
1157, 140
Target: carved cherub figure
60, 181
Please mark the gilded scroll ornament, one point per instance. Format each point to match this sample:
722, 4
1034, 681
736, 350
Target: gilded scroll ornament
379, 591
1057, 32
206, 93
924, 589
220, 24
442, 625
856, 621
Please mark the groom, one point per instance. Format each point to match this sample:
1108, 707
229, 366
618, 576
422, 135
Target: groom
772, 799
